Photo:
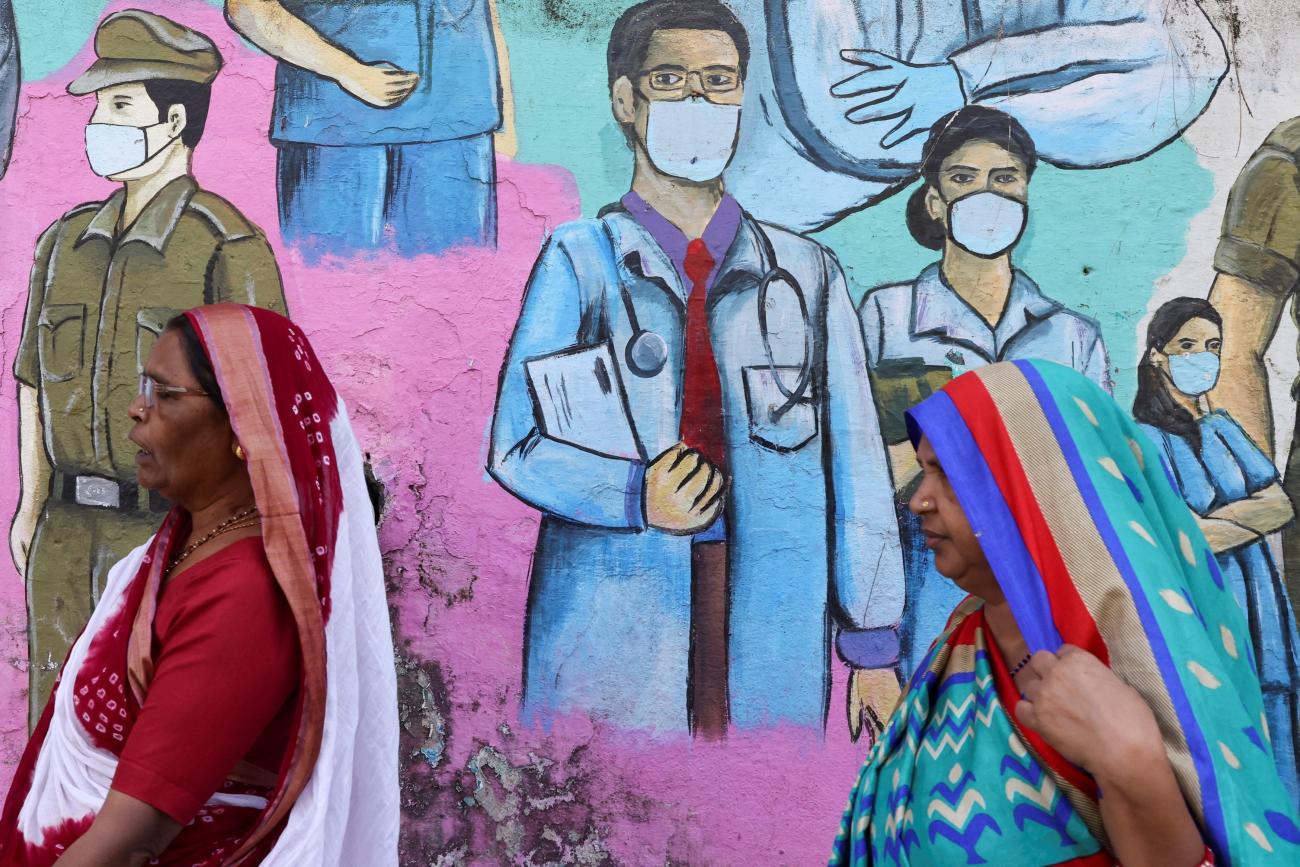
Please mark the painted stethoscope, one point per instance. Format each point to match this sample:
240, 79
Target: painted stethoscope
646, 353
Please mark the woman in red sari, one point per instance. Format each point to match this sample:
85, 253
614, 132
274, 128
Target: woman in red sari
232, 699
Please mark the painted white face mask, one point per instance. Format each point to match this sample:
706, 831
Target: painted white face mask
113, 148
692, 139
986, 224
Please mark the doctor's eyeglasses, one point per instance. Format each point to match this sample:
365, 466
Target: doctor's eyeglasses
677, 79
150, 388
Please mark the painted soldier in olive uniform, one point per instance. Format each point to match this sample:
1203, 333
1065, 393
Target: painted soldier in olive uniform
107, 278
1258, 273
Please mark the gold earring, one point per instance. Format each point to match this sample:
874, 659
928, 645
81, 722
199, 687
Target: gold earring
239, 451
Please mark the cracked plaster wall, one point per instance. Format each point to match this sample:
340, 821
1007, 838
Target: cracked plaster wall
415, 346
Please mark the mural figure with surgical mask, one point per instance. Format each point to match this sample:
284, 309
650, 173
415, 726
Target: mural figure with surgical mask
971, 308
106, 279
843, 91
1235, 492
686, 401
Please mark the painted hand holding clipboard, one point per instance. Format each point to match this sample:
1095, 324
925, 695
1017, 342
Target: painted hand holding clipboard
579, 399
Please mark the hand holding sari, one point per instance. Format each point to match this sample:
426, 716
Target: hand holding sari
1140, 686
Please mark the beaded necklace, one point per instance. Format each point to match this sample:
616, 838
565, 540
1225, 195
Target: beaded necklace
234, 522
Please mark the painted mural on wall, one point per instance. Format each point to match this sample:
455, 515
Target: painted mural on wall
107, 277
628, 302
675, 365
971, 308
1235, 492
10, 75
383, 120
1096, 84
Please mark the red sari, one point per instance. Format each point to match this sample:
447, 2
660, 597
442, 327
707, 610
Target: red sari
212, 697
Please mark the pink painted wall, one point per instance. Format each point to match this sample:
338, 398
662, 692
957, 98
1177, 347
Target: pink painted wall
415, 346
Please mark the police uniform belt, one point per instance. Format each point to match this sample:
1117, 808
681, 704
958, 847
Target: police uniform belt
103, 493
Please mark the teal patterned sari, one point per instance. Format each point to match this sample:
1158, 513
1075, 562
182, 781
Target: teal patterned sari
1092, 546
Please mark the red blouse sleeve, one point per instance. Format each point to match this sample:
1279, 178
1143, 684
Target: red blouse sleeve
226, 663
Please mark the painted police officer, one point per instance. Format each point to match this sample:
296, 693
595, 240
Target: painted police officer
107, 277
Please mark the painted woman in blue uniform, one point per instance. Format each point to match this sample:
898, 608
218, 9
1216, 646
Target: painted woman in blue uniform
1234, 490
971, 308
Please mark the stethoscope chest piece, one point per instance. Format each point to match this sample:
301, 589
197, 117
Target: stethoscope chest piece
647, 353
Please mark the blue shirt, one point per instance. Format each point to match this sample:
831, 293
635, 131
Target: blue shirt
451, 45
927, 319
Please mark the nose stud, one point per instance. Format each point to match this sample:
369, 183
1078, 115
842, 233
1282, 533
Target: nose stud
926, 504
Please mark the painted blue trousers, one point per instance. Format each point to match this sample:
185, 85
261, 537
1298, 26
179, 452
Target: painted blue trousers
421, 198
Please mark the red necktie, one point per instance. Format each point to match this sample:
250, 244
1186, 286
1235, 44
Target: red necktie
702, 389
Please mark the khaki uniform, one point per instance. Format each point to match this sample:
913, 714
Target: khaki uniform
1260, 244
96, 305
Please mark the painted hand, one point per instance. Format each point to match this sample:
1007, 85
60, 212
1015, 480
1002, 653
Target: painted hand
684, 493
20, 535
379, 84
1086, 712
889, 89
873, 695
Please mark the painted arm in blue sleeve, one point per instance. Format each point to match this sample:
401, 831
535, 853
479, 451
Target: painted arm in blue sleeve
1097, 83
10, 79
867, 564
550, 475
1112, 82
1266, 508
1257, 467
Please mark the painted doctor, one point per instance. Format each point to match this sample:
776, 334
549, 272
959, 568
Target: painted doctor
692, 581
848, 88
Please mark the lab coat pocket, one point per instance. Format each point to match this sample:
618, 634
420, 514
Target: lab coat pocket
775, 422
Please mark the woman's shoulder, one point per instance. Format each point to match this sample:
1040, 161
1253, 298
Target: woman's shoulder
234, 589
1219, 418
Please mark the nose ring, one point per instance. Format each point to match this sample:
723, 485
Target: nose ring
925, 504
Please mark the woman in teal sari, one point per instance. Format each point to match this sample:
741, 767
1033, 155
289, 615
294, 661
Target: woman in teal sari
1100, 651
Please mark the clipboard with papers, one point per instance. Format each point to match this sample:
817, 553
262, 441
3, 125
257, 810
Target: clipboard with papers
579, 399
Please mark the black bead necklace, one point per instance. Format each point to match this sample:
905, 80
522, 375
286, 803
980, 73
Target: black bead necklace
234, 522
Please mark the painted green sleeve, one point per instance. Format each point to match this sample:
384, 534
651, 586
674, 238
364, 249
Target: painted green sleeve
245, 272
27, 366
1260, 242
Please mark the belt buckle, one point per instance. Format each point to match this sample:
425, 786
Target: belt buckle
96, 491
